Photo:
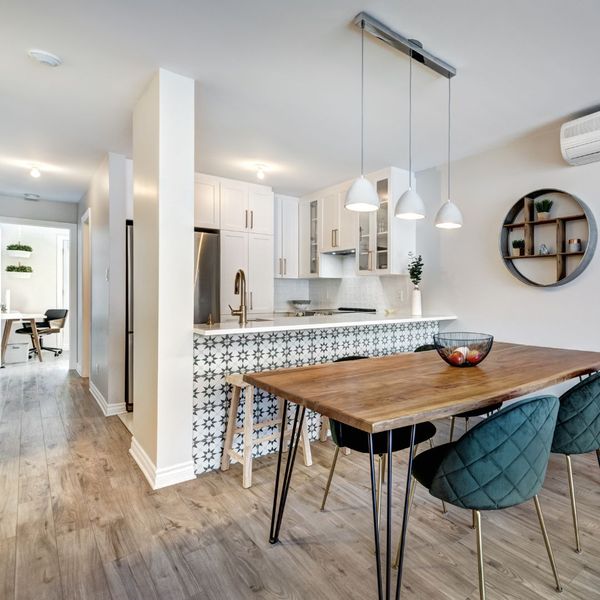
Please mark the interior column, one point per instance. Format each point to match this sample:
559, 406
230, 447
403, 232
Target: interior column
163, 189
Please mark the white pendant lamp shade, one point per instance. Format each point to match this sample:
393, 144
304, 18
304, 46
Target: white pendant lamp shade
362, 196
449, 216
410, 206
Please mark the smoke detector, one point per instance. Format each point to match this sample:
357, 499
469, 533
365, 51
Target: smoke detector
46, 58
32, 197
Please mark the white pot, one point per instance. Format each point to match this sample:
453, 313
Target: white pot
417, 308
19, 275
19, 254
516, 251
543, 216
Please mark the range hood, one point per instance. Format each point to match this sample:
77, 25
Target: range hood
341, 252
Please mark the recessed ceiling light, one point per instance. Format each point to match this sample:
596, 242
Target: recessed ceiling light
35, 172
45, 58
260, 171
31, 196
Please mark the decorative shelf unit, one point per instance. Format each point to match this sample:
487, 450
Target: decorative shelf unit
525, 208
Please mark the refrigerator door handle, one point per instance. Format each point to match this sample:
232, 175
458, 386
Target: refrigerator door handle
251, 219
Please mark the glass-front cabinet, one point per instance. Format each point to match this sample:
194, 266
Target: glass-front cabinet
384, 241
314, 247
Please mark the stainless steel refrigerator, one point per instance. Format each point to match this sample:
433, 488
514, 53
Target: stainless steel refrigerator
207, 268
129, 315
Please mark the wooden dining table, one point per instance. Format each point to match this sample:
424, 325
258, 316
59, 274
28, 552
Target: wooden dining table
13, 317
381, 394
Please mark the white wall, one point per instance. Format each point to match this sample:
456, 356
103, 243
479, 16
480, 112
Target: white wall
41, 210
473, 281
106, 200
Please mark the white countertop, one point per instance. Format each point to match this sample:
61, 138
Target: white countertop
270, 323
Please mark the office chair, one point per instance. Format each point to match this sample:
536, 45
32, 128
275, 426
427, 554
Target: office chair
53, 322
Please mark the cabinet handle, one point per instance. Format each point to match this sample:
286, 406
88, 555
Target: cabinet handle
337, 242
251, 219
246, 225
251, 301
285, 266
280, 267
333, 238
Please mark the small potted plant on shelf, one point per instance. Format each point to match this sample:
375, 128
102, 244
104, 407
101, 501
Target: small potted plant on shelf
19, 271
19, 250
543, 208
415, 273
518, 247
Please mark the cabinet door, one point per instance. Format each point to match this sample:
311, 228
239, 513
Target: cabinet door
289, 237
207, 201
278, 208
260, 209
345, 235
234, 206
328, 216
306, 227
234, 256
261, 288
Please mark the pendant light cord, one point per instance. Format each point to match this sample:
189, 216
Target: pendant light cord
410, 120
449, 130
362, 96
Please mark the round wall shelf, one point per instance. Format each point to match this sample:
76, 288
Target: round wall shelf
557, 265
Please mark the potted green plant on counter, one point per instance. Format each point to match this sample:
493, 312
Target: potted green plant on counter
19, 271
19, 250
543, 208
518, 247
415, 273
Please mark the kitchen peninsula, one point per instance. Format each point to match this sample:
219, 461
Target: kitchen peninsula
272, 342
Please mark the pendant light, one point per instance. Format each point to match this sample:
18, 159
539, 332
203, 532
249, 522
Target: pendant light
449, 215
410, 206
361, 196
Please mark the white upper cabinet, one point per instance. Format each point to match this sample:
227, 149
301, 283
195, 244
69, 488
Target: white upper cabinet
246, 207
384, 240
286, 237
234, 205
234, 256
337, 225
207, 201
260, 210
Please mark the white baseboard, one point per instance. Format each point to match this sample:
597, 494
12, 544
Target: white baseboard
108, 410
159, 478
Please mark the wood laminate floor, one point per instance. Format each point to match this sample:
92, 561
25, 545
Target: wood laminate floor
78, 521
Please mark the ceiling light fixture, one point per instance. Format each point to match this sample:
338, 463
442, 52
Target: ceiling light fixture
33, 197
362, 196
35, 172
410, 206
449, 215
45, 58
260, 171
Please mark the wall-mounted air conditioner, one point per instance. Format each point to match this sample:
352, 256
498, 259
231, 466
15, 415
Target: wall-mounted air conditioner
580, 140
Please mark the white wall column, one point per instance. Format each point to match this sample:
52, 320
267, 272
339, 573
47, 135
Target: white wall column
163, 189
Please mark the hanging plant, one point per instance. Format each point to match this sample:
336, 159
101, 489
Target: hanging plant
19, 250
19, 271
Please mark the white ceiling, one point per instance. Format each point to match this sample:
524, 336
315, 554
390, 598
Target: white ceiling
278, 82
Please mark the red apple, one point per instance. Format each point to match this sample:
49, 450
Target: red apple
457, 358
473, 357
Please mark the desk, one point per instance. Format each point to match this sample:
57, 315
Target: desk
381, 394
10, 318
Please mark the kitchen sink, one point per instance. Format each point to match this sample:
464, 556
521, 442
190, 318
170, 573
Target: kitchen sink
259, 320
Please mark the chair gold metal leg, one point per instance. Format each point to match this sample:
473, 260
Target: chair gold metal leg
452, 422
598, 456
335, 457
444, 509
380, 470
540, 515
573, 504
466, 424
474, 524
477, 516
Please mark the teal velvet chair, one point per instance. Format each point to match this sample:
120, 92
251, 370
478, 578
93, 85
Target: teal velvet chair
501, 462
578, 431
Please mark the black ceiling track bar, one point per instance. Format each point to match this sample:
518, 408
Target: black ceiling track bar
399, 42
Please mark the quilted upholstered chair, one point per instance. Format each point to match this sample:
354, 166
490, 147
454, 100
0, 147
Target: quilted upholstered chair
501, 462
578, 431
346, 436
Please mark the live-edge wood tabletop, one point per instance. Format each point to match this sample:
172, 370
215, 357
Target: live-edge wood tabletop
378, 394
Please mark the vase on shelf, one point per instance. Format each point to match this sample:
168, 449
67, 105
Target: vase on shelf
417, 308
543, 216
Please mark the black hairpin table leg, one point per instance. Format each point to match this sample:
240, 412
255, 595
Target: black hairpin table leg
409, 483
280, 497
375, 518
389, 549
